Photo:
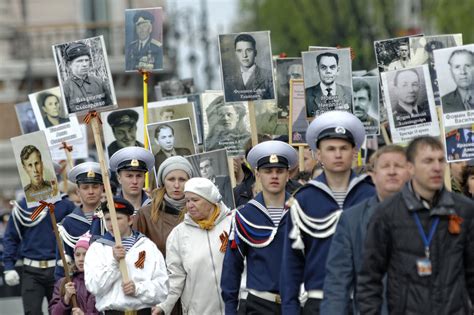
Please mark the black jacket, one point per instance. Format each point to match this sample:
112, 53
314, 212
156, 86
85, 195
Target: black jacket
393, 245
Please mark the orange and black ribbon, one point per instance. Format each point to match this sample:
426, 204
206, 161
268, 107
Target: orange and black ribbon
224, 241
145, 75
65, 146
43, 204
454, 224
140, 263
90, 115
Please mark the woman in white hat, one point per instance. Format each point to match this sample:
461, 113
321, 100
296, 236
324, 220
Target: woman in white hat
195, 251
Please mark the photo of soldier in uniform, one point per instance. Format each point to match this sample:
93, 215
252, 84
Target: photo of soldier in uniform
327, 80
366, 102
266, 114
84, 75
26, 117
247, 68
36, 168
286, 69
298, 120
393, 54
144, 38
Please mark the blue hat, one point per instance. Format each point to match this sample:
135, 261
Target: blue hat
143, 16
87, 172
122, 117
121, 205
335, 125
272, 154
132, 159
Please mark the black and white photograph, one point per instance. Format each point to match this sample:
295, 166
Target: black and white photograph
410, 103
455, 70
174, 87
226, 125
161, 111
214, 166
327, 81
51, 116
80, 148
266, 114
170, 138
144, 39
286, 69
123, 128
459, 143
26, 117
84, 75
298, 120
247, 67
366, 103
421, 51
393, 54
36, 168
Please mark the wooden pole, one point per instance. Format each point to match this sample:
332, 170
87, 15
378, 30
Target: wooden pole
145, 121
383, 129
254, 134
108, 191
442, 135
230, 163
301, 158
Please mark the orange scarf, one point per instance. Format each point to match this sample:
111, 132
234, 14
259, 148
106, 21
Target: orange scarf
208, 224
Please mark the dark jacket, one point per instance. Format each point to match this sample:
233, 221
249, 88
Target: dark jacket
394, 244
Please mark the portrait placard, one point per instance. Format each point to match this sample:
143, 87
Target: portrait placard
366, 103
170, 138
394, 53
454, 67
26, 117
410, 103
36, 168
174, 87
327, 81
246, 66
80, 149
123, 128
286, 69
298, 120
214, 166
51, 116
84, 75
459, 142
144, 39
266, 115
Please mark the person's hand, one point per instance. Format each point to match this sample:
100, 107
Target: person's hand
119, 252
128, 288
156, 310
70, 291
12, 277
77, 311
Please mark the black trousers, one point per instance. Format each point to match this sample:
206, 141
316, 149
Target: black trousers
311, 307
259, 306
37, 283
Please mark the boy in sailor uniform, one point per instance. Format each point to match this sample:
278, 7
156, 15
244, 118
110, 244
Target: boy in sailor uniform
335, 137
33, 242
258, 232
131, 165
88, 178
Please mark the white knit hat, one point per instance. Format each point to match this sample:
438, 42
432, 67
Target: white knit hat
171, 164
204, 188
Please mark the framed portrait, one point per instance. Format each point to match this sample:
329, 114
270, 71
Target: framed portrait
393, 54
51, 116
174, 87
410, 103
84, 75
286, 69
366, 103
268, 123
80, 148
456, 84
26, 117
170, 138
459, 143
123, 128
226, 125
327, 81
214, 165
421, 52
246, 66
144, 39
298, 120
36, 168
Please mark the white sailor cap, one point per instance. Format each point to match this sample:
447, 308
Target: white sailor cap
272, 154
87, 172
132, 159
335, 125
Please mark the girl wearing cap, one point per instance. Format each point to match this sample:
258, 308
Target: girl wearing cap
61, 303
195, 251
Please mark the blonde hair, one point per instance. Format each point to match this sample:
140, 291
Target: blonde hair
157, 204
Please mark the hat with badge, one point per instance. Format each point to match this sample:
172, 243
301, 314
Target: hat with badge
272, 154
132, 159
121, 206
335, 125
143, 16
86, 173
122, 117
76, 49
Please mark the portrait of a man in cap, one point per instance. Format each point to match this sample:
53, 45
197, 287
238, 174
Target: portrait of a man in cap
124, 129
144, 51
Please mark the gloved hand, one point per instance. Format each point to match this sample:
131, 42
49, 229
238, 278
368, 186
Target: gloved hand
12, 277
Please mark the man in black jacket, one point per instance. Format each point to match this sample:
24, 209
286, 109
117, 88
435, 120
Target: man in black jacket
423, 239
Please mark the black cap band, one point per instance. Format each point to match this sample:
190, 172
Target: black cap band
89, 177
273, 160
132, 165
335, 133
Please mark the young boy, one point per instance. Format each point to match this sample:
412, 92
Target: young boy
148, 280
